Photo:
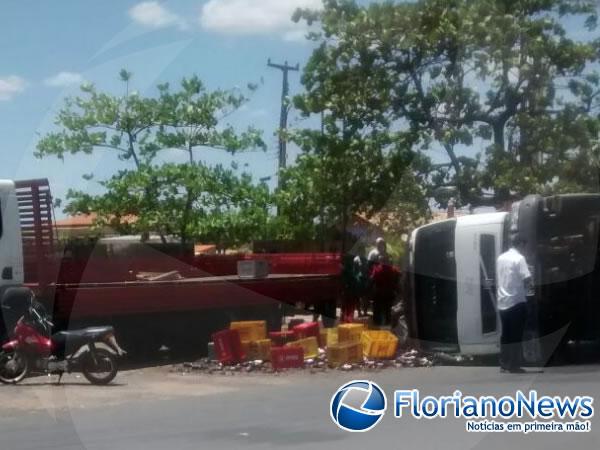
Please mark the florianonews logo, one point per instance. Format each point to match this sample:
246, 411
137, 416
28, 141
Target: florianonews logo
358, 406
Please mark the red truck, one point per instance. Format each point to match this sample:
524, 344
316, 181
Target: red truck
179, 312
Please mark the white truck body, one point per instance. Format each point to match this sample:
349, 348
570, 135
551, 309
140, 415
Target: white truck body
478, 239
11, 250
451, 276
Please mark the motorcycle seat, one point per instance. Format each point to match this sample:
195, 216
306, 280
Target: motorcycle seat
85, 334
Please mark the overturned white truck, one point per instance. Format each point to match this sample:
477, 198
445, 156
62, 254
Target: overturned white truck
451, 272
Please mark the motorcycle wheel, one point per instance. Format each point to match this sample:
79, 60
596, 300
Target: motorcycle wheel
14, 367
103, 370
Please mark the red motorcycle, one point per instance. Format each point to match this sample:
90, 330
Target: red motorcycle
34, 350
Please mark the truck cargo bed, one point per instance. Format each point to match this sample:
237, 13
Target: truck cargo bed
84, 300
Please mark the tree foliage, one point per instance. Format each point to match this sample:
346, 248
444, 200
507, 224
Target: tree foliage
190, 201
190, 118
337, 177
496, 86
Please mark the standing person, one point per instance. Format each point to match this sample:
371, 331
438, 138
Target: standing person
379, 253
384, 278
384, 282
513, 278
361, 273
349, 289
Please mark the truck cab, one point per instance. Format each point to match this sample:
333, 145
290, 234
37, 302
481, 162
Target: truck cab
451, 274
11, 247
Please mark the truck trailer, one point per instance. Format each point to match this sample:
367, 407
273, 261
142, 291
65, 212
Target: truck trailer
180, 312
451, 277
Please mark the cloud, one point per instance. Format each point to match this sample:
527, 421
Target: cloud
11, 86
255, 17
64, 79
154, 15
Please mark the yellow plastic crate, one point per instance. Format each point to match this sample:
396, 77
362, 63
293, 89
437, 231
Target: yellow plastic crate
310, 345
250, 330
344, 353
379, 344
367, 322
260, 349
350, 332
329, 336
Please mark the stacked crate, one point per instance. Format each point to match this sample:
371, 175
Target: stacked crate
306, 330
344, 353
309, 346
228, 347
253, 335
287, 357
329, 336
280, 338
350, 332
250, 330
348, 343
348, 348
379, 344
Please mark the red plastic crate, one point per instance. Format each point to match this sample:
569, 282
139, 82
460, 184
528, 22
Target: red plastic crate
280, 338
309, 329
228, 347
287, 357
293, 322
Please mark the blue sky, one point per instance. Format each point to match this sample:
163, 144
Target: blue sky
48, 48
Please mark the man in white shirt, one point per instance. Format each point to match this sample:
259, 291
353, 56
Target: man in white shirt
513, 278
379, 253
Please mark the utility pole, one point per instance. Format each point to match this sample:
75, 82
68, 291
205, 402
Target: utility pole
285, 69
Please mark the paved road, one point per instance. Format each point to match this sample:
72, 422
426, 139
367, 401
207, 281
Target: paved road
156, 409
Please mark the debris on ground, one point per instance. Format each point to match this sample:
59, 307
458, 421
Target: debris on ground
301, 346
451, 359
319, 364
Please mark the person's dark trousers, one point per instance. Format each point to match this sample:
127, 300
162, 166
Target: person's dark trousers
382, 309
349, 305
513, 326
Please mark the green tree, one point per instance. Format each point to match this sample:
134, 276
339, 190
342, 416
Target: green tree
193, 117
324, 191
137, 128
99, 121
498, 86
226, 209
